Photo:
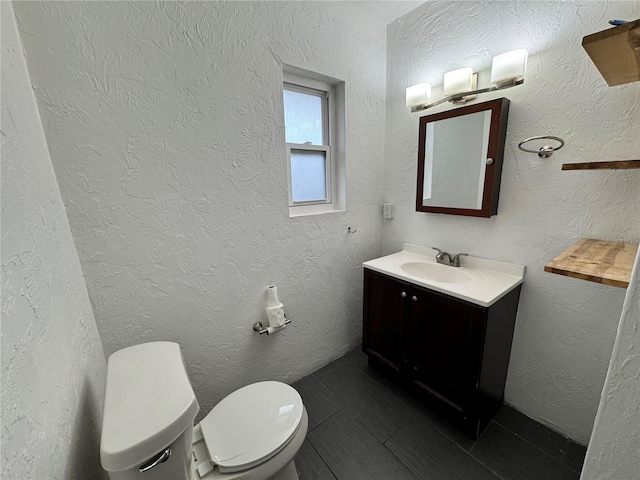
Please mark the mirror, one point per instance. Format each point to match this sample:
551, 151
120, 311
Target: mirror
460, 159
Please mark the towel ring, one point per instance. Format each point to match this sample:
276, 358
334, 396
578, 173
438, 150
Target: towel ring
545, 151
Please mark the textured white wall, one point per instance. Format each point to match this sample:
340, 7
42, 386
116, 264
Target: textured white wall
165, 127
612, 453
53, 366
566, 327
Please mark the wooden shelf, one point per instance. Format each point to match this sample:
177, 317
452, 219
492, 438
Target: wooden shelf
616, 53
597, 261
614, 165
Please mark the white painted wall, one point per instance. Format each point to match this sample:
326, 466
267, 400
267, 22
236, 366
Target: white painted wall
565, 328
612, 453
165, 126
53, 366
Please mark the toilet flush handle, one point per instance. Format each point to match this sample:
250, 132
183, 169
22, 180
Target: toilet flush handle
161, 458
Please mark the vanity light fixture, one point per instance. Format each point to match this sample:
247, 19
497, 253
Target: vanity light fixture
458, 81
507, 70
419, 94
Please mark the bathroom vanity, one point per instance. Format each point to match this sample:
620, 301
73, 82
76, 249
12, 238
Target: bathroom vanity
444, 331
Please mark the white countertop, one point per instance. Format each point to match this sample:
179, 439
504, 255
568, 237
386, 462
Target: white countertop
490, 279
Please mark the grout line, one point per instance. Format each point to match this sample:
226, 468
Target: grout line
564, 454
327, 390
374, 384
473, 445
464, 451
440, 429
322, 458
489, 468
382, 444
391, 435
528, 442
422, 415
472, 456
416, 474
323, 421
560, 463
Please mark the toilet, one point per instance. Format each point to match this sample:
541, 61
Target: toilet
148, 432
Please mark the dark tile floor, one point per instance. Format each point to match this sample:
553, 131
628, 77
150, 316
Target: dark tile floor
363, 426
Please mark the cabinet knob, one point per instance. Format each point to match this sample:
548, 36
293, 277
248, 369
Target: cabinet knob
414, 298
403, 294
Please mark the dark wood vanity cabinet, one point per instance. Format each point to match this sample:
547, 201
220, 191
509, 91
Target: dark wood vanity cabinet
453, 352
386, 320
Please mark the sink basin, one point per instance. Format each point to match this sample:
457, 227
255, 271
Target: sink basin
436, 272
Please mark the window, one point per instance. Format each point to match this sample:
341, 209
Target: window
312, 131
306, 119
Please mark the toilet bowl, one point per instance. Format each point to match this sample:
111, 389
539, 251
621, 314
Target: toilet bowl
148, 433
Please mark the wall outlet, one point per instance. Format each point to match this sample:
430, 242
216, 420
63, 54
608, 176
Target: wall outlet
387, 210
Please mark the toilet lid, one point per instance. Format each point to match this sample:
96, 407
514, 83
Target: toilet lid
251, 425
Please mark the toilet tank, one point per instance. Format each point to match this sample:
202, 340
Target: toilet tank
149, 410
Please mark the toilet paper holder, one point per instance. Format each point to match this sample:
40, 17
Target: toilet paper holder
258, 327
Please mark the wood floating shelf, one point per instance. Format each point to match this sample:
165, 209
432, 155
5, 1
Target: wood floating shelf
613, 165
597, 261
616, 53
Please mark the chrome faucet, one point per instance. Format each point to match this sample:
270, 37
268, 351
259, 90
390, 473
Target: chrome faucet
445, 258
442, 257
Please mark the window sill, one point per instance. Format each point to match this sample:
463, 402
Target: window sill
306, 210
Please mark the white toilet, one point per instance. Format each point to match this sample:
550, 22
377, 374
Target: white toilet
148, 432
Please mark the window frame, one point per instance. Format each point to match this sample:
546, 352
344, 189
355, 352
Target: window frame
322, 90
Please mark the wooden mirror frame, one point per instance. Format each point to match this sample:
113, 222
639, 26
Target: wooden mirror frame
497, 134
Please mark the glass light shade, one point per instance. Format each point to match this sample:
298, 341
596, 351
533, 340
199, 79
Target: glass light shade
458, 81
509, 67
418, 94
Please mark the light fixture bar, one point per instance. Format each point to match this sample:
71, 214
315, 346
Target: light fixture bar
460, 96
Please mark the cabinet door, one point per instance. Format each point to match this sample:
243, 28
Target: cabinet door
446, 347
385, 312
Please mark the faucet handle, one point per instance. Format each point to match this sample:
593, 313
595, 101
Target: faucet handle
443, 257
455, 261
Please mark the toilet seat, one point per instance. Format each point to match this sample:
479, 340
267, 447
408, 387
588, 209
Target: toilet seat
251, 425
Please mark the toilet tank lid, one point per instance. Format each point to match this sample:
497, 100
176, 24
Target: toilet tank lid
148, 404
